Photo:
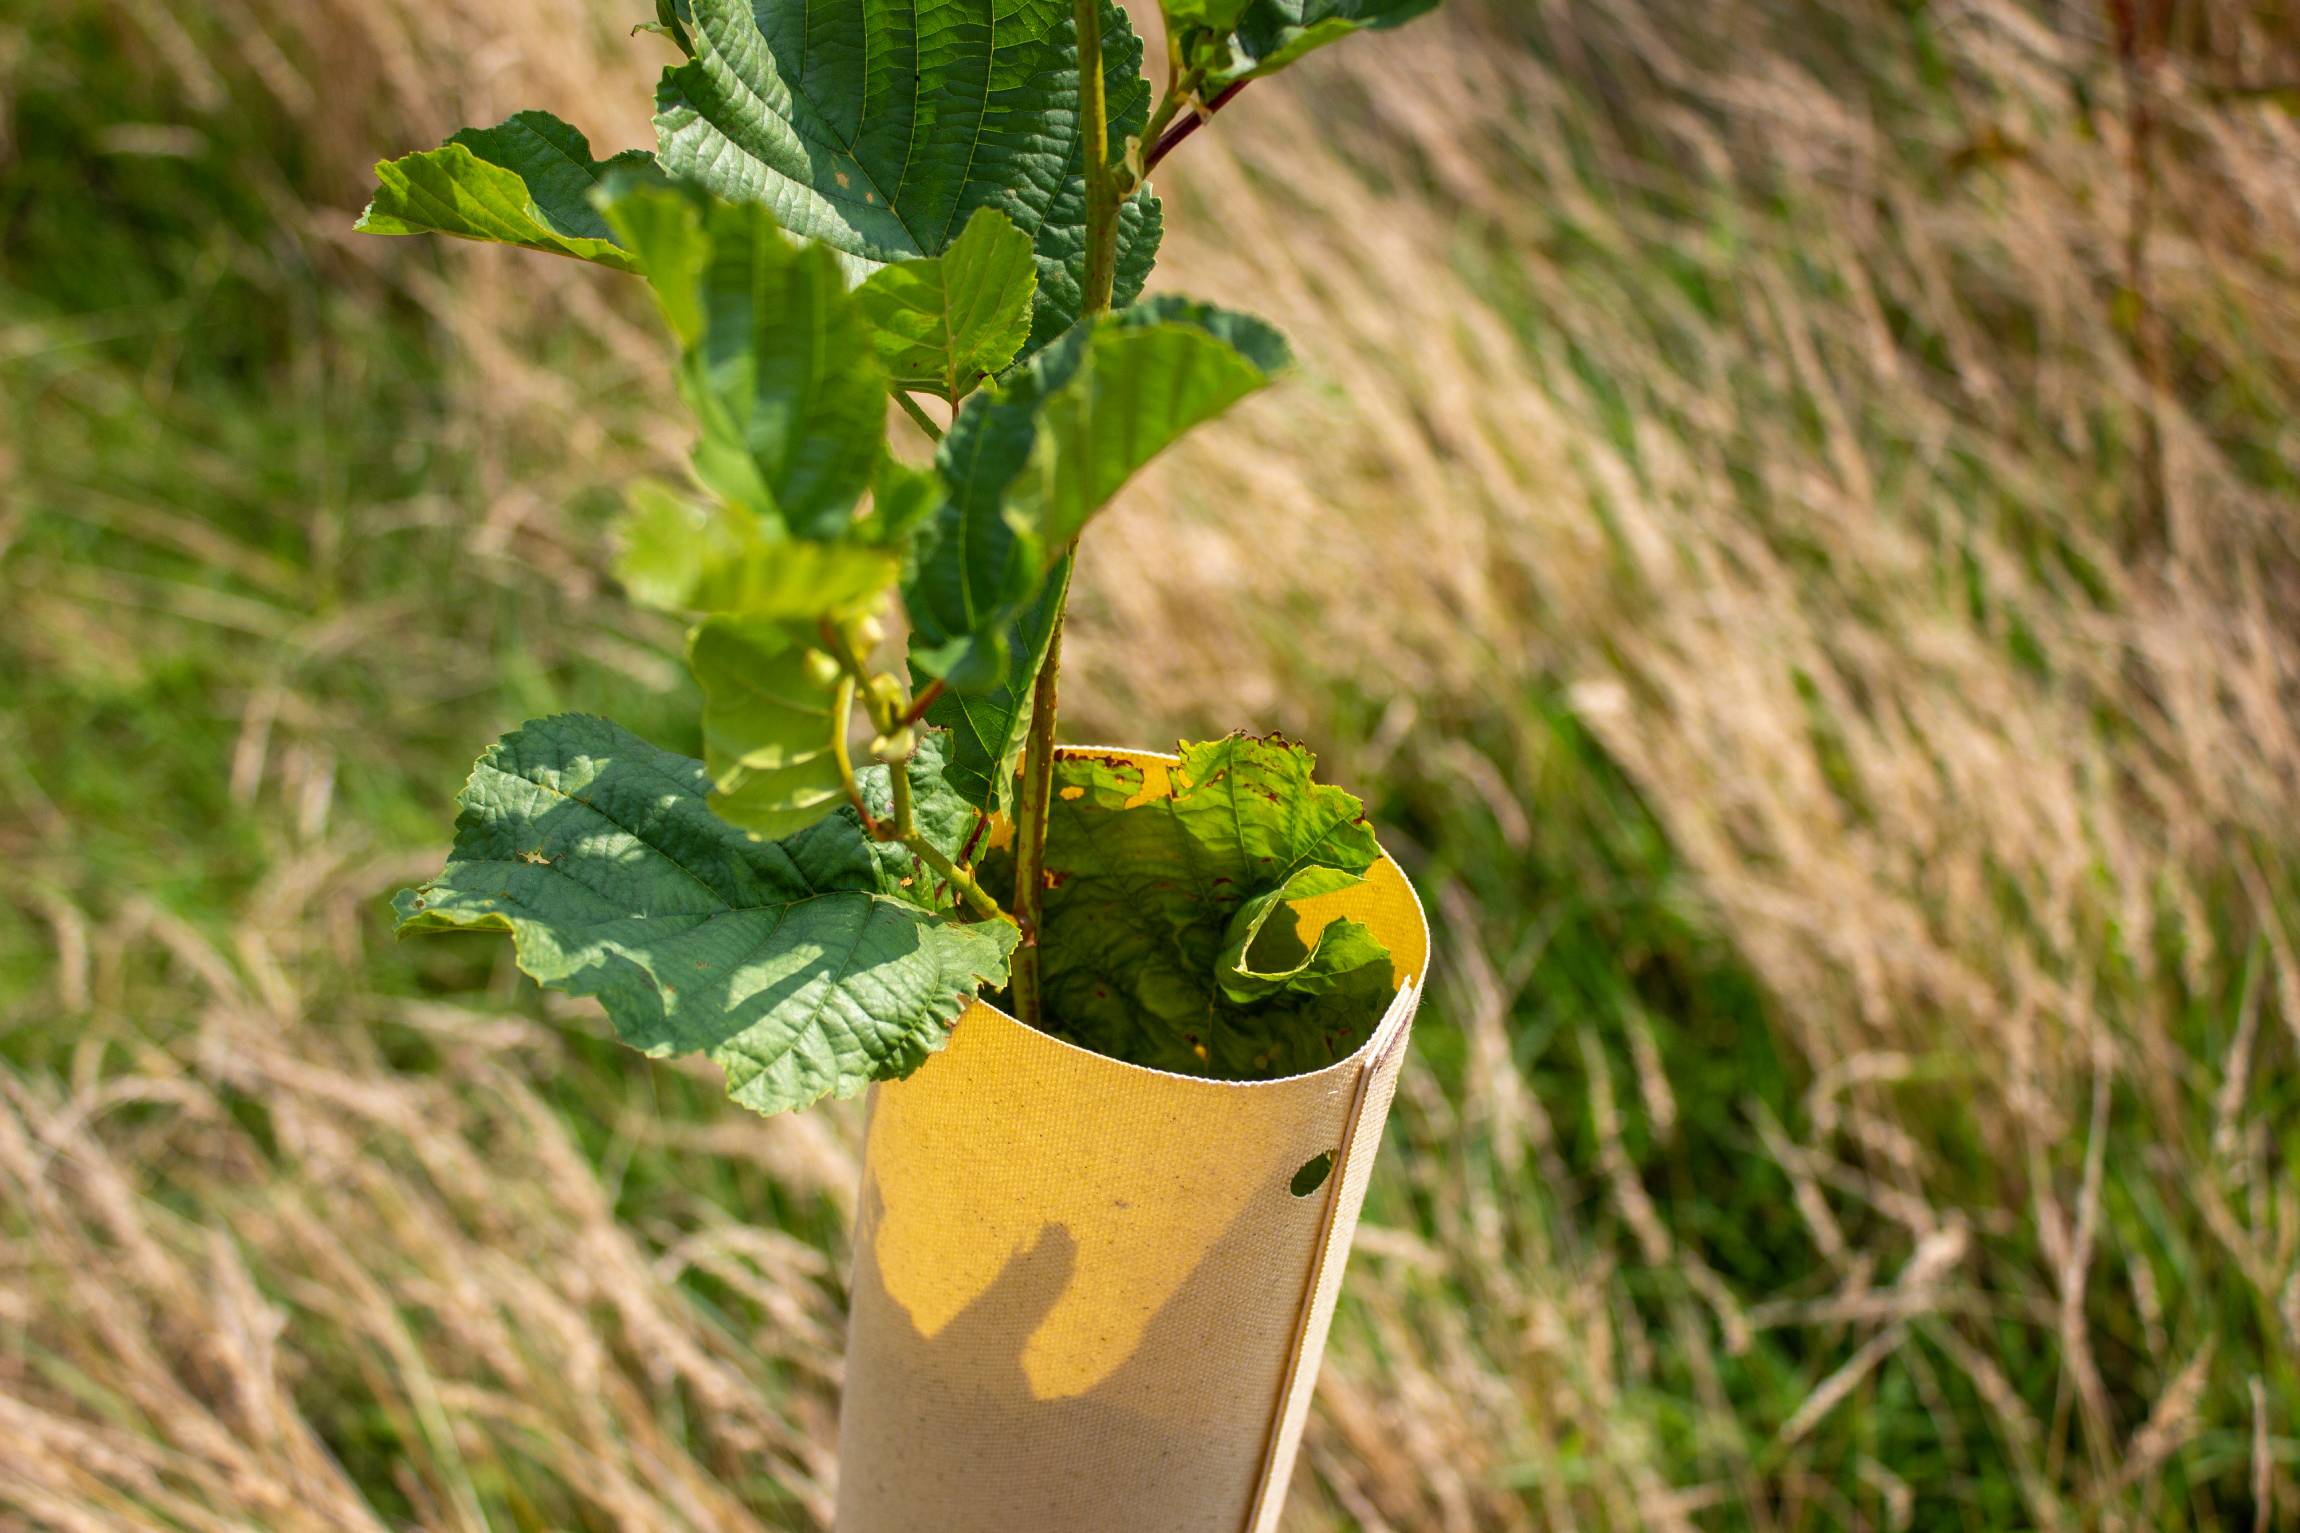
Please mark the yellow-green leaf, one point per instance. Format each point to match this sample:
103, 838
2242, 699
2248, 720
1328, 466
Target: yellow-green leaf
526, 181
943, 323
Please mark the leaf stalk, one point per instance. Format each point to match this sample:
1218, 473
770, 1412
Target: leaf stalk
918, 416
842, 717
1036, 804
1181, 131
888, 715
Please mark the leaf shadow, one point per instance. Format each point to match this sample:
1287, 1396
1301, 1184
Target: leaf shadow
948, 1431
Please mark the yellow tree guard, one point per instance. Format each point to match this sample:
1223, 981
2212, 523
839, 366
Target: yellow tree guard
1086, 1298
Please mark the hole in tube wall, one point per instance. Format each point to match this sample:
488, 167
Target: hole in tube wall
1313, 1174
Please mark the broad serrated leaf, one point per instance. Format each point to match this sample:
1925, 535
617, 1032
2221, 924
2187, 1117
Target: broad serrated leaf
777, 359
878, 127
943, 323
805, 968
1144, 944
986, 726
526, 181
1271, 34
679, 556
769, 722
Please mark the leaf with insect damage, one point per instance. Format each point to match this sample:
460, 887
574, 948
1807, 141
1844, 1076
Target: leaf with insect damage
1168, 935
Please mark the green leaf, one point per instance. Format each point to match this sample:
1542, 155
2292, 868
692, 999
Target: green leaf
1148, 376
1162, 942
769, 721
986, 726
878, 127
1274, 33
804, 968
1262, 956
778, 362
902, 499
683, 557
1188, 15
526, 181
975, 567
1028, 465
943, 323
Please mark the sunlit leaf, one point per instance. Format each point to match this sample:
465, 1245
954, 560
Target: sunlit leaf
778, 363
943, 323
526, 181
768, 724
681, 556
1270, 34
878, 127
805, 968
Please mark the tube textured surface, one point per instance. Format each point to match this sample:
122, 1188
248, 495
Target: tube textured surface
1086, 1298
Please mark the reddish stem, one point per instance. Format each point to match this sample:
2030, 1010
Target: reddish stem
974, 836
922, 702
1182, 130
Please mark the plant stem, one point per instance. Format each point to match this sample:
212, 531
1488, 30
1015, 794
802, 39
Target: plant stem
1030, 830
1038, 750
957, 877
922, 702
918, 416
1101, 187
842, 712
887, 719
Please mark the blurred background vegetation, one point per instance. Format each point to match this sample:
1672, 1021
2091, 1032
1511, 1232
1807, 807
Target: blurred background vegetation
1791, 516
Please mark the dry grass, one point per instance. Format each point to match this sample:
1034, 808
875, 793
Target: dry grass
1855, 769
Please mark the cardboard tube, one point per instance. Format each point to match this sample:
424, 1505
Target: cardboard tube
1087, 1298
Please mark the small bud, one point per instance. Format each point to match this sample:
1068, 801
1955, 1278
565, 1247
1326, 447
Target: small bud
868, 632
822, 670
899, 746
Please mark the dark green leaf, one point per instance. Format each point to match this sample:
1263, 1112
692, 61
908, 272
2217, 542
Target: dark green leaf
878, 127
1149, 376
805, 968
1027, 466
526, 181
986, 726
1274, 33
